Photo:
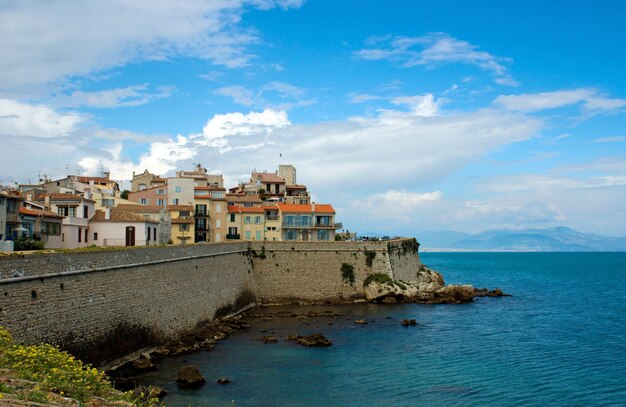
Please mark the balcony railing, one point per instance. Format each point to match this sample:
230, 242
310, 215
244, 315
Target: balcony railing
201, 213
74, 220
301, 225
271, 217
230, 236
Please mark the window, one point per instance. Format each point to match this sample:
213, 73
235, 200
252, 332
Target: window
143, 201
217, 194
161, 202
178, 189
248, 235
108, 202
160, 192
257, 220
85, 211
291, 235
80, 235
95, 235
232, 217
258, 235
175, 201
184, 214
154, 233
322, 234
142, 187
148, 234
247, 219
183, 227
218, 208
248, 204
218, 237
86, 235
232, 231
218, 223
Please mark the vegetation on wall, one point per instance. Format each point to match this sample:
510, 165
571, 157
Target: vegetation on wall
382, 278
406, 246
347, 273
369, 257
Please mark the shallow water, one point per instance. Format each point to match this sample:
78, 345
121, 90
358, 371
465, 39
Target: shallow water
560, 340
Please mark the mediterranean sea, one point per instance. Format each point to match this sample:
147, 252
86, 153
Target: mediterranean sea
560, 340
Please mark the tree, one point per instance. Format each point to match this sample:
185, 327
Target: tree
124, 194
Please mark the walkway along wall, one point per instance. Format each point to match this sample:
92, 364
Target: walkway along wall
101, 304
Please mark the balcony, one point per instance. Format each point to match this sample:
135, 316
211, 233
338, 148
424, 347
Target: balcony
271, 217
76, 221
232, 237
201, 213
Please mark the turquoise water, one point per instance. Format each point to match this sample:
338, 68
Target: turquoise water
560, 340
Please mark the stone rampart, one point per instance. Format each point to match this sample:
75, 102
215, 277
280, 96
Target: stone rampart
101, 304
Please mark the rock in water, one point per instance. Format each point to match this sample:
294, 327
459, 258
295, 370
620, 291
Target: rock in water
314, 340
269, 339
189, 376
360, 321
455, 294
223, 380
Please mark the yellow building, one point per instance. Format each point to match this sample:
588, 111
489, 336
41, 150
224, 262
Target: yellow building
182, 229
246, 223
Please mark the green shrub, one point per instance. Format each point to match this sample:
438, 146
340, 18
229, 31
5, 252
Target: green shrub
369, 257
347, 273
380, 278
27, 244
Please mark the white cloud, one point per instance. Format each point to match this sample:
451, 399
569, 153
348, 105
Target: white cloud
422, 105
239, 94
613, 139
45, 43
589, 99
136, 95
434, 49
19, 119
361, 97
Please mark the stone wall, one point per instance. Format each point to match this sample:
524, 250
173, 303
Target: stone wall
101, 304
99, 314
312, 271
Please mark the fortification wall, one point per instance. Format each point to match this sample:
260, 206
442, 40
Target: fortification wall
312, 271
99, 314
101, 304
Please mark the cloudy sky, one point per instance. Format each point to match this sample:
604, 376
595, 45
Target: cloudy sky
408, 116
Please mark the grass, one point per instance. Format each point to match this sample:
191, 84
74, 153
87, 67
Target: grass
55, 373
347, 273
382, 278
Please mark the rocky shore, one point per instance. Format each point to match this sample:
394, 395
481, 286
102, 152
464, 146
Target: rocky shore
428, 288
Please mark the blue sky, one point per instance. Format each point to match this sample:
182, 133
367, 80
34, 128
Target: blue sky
407, 116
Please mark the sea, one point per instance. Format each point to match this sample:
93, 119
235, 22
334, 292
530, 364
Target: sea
559, 340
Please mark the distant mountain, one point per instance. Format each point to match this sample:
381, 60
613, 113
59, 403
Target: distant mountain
558, 239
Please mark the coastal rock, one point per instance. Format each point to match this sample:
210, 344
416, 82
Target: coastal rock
314, 340
428, 276
143, 364
454, 294
360, 321
269, 339
189, 376
408, 322
484, 292
223, 380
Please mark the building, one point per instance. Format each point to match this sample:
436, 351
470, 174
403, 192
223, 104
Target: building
76, 211
145, 180
41, 225
246, 223
315, 222
183, 224
155, 195
201, 178
153, 212
112, 227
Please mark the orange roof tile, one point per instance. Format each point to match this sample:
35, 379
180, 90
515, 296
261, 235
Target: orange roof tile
297, 208
180, 208
119, 216
39, 212
243, 209
139, 208
268, 177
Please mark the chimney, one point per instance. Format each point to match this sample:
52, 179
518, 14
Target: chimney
29, 197
106, 174
87, 193
107, 213
92, 183
46, 201
312, 206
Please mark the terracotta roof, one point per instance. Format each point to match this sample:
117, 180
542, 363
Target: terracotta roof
59, 197
40, 212
242, 209
7, 194
296, 186
176, 221
296, 208
95, 179
119, 216
268, 177
270, 208
243, 198
210, 188
139, 208
171, 208
146, 189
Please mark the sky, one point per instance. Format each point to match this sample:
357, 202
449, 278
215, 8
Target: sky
407, 116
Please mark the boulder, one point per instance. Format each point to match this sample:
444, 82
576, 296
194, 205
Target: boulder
360, 321
268, 339
223, 380
189, 376
455, 294
314, 340
143, 364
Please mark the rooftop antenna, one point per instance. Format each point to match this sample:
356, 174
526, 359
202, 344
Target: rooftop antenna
101, 168
67, 170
